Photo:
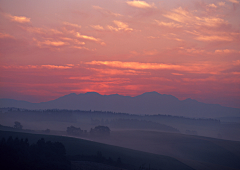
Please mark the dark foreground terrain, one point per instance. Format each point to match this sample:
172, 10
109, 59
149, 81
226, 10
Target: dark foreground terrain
147, 150
133, 159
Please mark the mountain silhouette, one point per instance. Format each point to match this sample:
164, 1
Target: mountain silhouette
146, 103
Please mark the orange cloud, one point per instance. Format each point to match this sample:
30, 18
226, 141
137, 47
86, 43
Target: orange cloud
86, 37
97, 27
234, 1
201, 68
227, 51
107, 12
116, 71
20, 19
81, 48
177, 74
39, 66
184, 16
212, 5
221, 3
168, 24
50, 43
213, 38
55, 67
3, 35
140, 4
72, 25
121, 26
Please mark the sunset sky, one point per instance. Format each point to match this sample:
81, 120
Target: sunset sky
186, 48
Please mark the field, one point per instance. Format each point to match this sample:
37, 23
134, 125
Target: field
76, 146
157, 149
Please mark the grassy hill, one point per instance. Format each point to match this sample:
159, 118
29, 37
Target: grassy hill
76, 146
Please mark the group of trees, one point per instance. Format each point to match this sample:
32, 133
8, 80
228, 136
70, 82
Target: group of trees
97, 131
75, 131
98, 158
19, 154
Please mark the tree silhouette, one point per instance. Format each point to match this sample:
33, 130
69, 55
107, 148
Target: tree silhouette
17, 125
100, 131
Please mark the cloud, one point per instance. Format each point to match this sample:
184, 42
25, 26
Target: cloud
221, 3
50, 43
212, 5
81, 48
115, 71
3, 35
184, 16
168, 24
234, 1
121, 26
226, 51
213, 38
193, 68
177, 74
72, 25
55, 67
86, 37
20, 19
40, 66
140, 4
54, 43
107, 12
97, 27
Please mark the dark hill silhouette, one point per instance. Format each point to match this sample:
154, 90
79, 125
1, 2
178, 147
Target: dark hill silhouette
146, 103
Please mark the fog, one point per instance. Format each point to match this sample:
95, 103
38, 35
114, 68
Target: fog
189, 140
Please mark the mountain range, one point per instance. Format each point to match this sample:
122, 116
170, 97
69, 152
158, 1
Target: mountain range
146, 103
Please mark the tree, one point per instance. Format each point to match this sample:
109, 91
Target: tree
17, 125
100, 130
74, 131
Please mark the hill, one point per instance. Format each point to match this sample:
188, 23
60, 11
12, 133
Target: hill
147, 103
76, 146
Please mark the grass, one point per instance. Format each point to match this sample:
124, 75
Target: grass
75, 146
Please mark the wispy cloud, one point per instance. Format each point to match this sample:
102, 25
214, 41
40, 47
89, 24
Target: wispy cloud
86, 37
184, 16
107, 12
20, 19
4, 35
192, 68
97, 27
55, 67
72, 25
140, 4
234, 1
213, 38
226, 51
212, 5
50, 43
168, 24
121, 26
221, 3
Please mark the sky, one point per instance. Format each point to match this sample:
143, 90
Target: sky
185, 48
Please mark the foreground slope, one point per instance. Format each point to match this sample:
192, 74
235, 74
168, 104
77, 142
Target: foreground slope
76, 146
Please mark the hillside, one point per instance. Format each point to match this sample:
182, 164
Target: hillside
76, 146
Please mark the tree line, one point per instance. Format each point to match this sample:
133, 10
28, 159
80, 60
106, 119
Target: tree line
19, 154
96, 131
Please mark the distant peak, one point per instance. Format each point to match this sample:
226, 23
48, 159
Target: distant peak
71, 94
152, 92
190, 100
93, 93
